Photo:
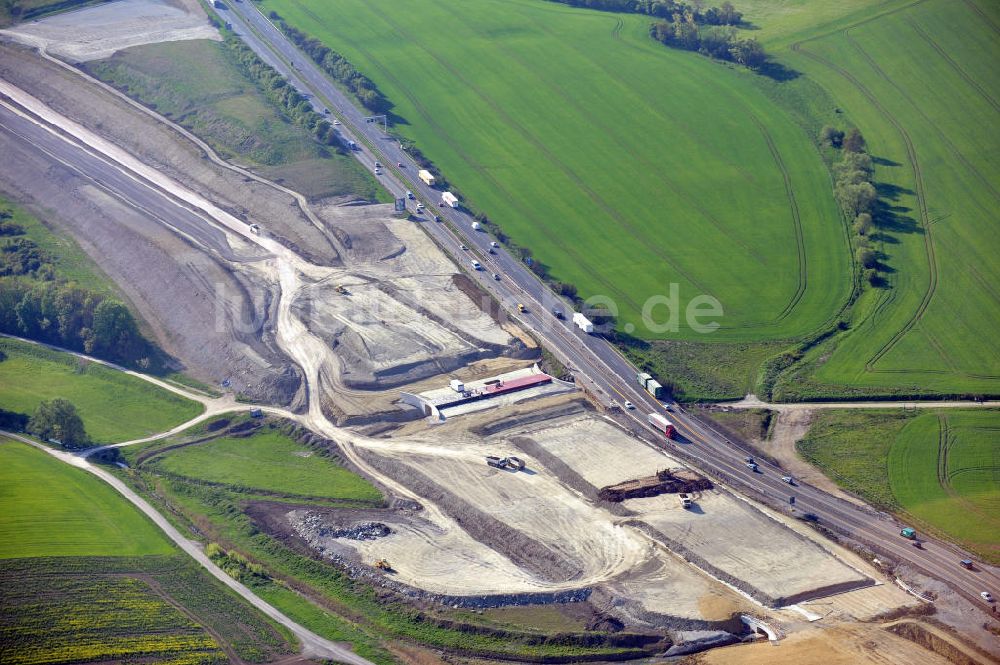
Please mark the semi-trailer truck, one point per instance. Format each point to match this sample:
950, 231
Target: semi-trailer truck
426, 176
662, 425
450, 199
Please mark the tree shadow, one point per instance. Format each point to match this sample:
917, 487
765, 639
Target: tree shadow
778, 72
892, 192
884, 238
882, 161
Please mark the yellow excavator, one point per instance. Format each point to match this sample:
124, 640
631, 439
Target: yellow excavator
382, 564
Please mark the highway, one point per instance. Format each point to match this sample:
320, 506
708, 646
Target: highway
596, 363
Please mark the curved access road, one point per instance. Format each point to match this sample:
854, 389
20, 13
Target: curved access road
313, 645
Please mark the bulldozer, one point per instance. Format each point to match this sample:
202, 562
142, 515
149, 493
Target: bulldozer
383, 564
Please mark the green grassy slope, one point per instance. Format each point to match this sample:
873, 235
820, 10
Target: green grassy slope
114, 406
197, 84
48, 508
623, 165
939, 470
921, 84
267, 460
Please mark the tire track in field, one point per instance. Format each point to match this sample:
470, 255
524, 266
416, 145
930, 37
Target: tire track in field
919, 109
986, 19
946, 441
954, 65
918, 179
796, 219
542, 148
514, 201
616, 32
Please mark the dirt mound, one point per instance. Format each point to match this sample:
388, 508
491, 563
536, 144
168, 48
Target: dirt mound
664, 482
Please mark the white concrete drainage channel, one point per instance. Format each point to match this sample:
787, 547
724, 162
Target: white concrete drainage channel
758, 626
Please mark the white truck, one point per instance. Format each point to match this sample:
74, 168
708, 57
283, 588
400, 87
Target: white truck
426, 176
583, 323
450, 199
685, 500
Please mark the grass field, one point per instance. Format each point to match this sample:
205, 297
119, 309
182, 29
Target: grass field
267, 461
197, 84
939, 470
625, 166
921, 84
48, 508
65, 255
114, 406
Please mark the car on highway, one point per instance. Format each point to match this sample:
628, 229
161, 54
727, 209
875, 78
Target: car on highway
558, 314
378, 171
335, 121
476, 265
399, 164
629, 405
966, 563
748, 460
437, 218
753, 466
409, 195
465, 248
378, 165
327, 112
496, 276
810, 517
420, 207
494, 244
788, 479
987, 596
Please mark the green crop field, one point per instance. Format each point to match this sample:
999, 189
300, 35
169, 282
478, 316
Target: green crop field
48, 508
940, 470
922, 85
198, 85
268, 461
626, 166
114, 406
162, 609
623, 165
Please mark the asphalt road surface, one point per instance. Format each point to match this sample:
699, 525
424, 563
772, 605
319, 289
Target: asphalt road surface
595, 362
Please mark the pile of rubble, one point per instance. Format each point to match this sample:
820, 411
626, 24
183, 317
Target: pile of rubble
670, 481
312, 526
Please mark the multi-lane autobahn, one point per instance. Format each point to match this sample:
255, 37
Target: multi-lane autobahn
597, 364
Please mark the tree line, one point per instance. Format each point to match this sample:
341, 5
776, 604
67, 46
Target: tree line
276, 88
36, 303
724, 14
722, 42
854, 189
337, 66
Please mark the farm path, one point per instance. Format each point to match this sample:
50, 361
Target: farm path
752, 402
312, 644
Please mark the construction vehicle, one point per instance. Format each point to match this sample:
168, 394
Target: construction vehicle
685, 499
382, 564
512, 463
521, 308
341, 289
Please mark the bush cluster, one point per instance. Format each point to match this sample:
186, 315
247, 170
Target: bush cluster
37, 304
274, 86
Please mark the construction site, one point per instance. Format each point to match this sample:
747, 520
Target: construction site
504, 486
